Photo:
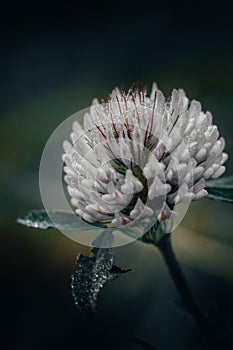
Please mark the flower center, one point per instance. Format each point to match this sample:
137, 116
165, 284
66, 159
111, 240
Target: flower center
137, 171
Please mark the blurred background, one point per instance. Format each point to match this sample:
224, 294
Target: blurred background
54, 60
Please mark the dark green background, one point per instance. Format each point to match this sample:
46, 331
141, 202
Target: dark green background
54, 60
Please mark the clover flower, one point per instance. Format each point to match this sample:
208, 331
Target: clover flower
138, 155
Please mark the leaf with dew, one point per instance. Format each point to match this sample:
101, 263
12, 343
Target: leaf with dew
91, 275
58, 219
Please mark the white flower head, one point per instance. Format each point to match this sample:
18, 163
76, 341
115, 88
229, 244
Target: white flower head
137, 155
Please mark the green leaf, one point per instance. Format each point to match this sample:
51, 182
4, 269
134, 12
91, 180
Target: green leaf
62, 220
221, 189
90, 277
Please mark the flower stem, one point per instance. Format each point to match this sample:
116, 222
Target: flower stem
165, 247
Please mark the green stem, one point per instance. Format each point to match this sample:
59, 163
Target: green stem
165, 247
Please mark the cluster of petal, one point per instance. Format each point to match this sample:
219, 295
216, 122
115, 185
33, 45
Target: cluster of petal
139, 155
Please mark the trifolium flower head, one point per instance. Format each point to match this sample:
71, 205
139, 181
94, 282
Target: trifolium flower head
137, 155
